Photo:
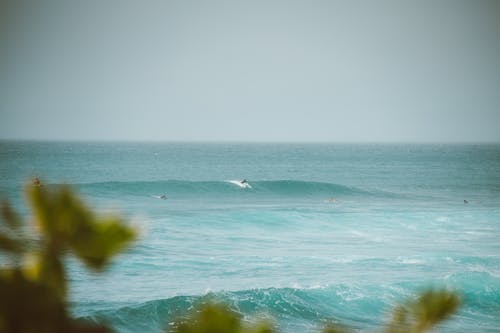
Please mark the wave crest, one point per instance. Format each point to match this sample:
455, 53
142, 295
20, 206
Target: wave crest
183, 188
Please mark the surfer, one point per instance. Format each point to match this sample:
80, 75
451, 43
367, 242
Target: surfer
37, 182
465, 201
163, 197
243, 183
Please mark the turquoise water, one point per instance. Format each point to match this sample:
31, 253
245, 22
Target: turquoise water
283, 248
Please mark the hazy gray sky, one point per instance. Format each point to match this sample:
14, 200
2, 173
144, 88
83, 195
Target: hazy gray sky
250, 71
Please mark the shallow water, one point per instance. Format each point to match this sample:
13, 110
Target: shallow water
327, 232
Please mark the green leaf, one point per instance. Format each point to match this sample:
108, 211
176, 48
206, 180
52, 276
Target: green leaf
66, 223
210, 318
434, 306
96, 242
218, 318
420, 315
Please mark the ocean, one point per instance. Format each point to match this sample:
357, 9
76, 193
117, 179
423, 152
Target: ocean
327, 232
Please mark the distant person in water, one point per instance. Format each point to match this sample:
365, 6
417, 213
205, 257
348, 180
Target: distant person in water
163, 196
465, 201
244, 181
37, 182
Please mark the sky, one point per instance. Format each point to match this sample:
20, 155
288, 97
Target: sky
259, 71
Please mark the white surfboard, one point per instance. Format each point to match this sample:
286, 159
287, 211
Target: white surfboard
240, 184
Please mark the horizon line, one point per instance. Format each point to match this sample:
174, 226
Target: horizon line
170, 141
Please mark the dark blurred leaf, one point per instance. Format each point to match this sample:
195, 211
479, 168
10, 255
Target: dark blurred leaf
28, 306
10, 245
79, 326
9, 216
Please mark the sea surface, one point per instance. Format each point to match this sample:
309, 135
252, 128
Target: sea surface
326, 232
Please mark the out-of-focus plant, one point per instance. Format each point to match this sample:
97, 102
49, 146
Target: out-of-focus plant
33, 281
218, 318
420, 315
335, 328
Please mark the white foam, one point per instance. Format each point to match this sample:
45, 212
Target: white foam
410, 261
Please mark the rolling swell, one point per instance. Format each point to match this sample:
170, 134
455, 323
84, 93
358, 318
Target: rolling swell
182, 188
302, 309
364, 307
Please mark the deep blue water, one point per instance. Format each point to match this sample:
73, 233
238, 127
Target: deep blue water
327, 232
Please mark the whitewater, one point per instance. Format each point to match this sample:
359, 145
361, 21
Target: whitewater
326, 232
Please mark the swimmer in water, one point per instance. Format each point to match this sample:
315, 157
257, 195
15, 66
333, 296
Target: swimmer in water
244, 181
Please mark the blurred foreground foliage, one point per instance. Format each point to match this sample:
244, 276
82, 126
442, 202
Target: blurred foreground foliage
33, 283
33, 279
212, 317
